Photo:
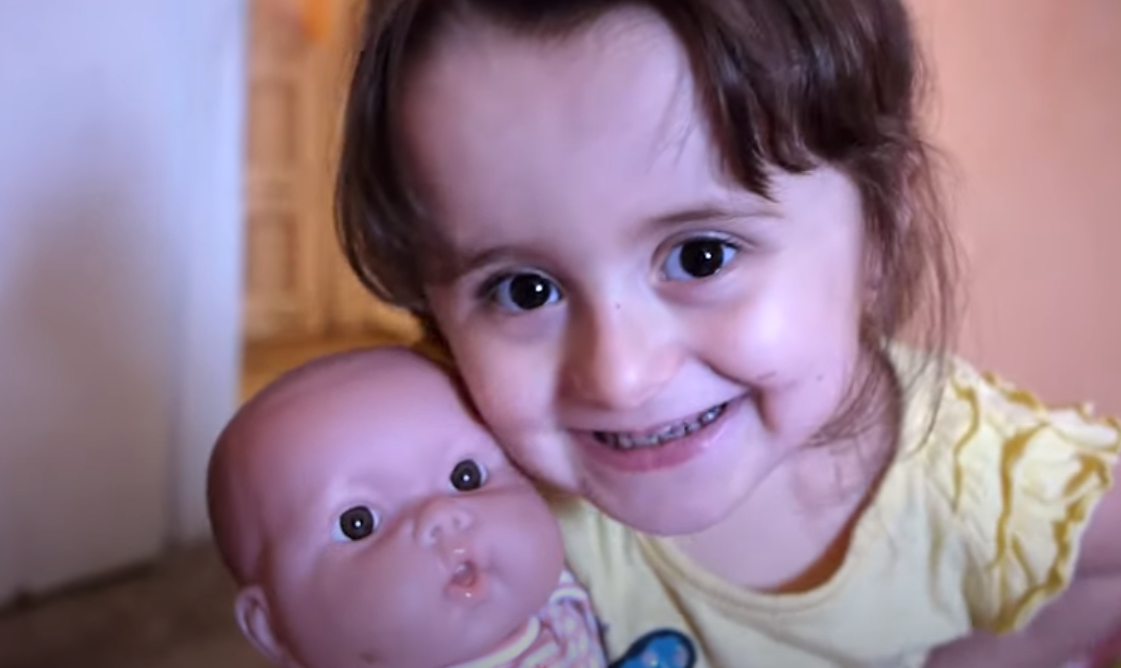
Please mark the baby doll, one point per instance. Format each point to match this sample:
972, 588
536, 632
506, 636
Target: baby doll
369, 520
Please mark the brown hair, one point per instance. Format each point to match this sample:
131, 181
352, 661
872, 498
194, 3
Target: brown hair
788, 83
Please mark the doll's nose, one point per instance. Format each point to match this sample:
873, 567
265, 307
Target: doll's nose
440, 518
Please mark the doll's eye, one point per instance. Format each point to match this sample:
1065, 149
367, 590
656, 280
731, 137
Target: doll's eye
467, 476
356, 524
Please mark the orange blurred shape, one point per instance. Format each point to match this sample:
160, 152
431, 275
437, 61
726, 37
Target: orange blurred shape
317, 19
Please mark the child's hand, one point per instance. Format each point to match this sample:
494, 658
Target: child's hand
1065, 631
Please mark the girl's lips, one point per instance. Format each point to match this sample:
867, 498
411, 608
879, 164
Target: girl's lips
664, 448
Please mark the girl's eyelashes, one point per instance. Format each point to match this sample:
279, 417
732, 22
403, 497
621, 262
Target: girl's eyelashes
695, 258
699, 258
355, 524
521, 292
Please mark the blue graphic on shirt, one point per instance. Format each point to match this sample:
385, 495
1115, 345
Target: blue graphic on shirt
659, 649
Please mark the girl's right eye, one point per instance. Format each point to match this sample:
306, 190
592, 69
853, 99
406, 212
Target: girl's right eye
357, 523
523, 292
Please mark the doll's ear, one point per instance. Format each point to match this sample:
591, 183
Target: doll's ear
251, 607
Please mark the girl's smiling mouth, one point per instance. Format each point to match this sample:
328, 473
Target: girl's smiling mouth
660, 435
663, 447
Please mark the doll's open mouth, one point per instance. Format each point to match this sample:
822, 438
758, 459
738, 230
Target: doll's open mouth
468, 582
661, 435
465, 575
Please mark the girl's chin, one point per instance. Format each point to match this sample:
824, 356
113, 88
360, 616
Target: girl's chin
661, 512
671, 527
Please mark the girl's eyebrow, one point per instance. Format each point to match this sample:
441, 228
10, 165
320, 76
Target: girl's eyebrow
465, 261
711, 213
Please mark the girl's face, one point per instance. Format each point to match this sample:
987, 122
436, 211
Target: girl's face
635, 327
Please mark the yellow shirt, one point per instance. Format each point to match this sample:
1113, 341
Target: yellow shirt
976, 524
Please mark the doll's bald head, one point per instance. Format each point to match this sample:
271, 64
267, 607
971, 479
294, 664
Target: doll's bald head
350, 498
245, 476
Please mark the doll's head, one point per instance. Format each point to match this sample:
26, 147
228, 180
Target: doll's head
369, 520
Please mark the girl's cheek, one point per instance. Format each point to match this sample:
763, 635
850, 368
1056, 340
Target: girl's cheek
758, 338
782, 339
506, 380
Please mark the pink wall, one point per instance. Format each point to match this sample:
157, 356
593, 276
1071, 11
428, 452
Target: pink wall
1028, 106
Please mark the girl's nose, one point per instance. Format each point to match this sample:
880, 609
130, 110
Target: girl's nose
441, 517
621, 356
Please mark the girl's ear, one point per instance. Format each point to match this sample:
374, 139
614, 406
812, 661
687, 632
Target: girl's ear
251, 608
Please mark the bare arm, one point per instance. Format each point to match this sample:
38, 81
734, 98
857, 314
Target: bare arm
1089, 611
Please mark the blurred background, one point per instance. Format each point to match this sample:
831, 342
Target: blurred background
166, 247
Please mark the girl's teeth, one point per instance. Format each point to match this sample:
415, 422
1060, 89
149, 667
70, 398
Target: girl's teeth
623, 441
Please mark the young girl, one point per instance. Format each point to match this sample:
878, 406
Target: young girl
674, 248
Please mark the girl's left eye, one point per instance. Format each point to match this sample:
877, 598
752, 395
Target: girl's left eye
698, 258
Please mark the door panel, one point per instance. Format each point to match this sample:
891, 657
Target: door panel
297, 282
283, 286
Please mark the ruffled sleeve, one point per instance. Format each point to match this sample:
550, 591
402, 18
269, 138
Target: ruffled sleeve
1026, 481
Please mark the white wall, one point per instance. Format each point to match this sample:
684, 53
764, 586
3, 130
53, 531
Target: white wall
120, 260
211, 56
1030, 108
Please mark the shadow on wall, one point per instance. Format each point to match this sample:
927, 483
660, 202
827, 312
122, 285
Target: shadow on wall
85, 356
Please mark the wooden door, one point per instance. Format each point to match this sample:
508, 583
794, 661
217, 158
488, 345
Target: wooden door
284, 291
297, 281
